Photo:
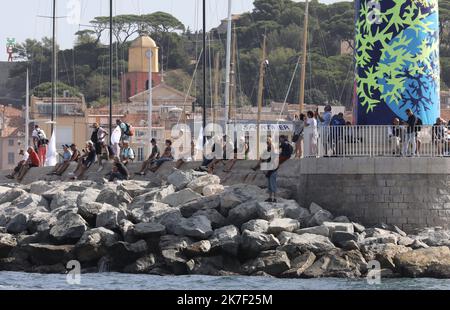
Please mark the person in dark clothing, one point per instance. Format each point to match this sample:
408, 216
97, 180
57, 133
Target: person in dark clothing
119, 171
286, 149
410, 136
86, 161
153, 156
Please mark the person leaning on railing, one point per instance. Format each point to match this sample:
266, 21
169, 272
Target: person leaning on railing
439, 136
395, 133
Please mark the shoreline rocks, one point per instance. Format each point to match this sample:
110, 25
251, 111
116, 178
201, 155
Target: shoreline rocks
191, 224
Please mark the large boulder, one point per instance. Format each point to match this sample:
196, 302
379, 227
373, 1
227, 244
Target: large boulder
260, 226
243, 213
87, 197
45, 254
172, 248
269, 210
153, 194
198, 226
142, 265
133, 188
255, 242
316, 230
432, 262
93, 244
179, 179
434, 236
68, 228
127, 231
40, 187
12, 195
306, 242
89, 211
180, 198
116, 198
226, 239
17, 224
199, 183
7, 243
199, 248
124, 253
342, 238
149, 230
319, 217
331, 265
29, 203
384, 253
217, 220
151, 211
335, 226
299, 265
213, 189
64, 199
271, 262
203, 203
41, 222
285, 224
109, 217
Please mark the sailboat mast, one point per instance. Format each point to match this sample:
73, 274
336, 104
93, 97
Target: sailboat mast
204, 70
303, 66
260, 92
216, 84
54, 72
27, 113
228, 66
233, 74
110, 64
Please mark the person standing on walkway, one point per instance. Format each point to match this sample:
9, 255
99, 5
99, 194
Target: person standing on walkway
410, 136
299, 126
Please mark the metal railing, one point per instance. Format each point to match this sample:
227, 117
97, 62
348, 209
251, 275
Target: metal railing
376, 141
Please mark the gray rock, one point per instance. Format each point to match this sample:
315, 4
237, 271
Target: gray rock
41, 222
203, 203
431, 262
93, 244
243, 213
384, 253
152, 211
299, 265
149, 230
260, 226
40, 187
197, 227
212, 189
64, 199
89, 211
109, 217
350, 245
45, 254
68, 228
307, 242
11, 195
206, 265
340, 238
127, 230
314, 208
332, 266
226, 239
269, 211
296, 212
172, 252
417, 244
319, 217
278, 225
434, 236
199, 183
179, 179
255, 242
406, 241
271, 262
87, 197
198, 248
142, 265
180, 198
116, 198
7, 243
217, 220
316, 230
124, 253
358, 227
132, 187
17, 224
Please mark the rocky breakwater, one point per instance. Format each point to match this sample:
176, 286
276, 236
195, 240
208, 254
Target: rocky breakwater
191, 224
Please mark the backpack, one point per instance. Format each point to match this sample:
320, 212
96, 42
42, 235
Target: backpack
129, 131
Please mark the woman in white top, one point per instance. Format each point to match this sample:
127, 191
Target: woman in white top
312, 134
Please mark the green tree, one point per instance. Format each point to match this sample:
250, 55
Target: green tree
45, 90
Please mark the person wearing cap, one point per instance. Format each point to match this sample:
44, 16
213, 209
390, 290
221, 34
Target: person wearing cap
23, 160
66, 156
127, 154
153, 156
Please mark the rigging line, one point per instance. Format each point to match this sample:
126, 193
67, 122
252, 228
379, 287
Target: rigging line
190, 84
290, 86
349, 70
210, 74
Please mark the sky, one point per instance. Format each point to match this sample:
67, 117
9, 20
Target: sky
22, 19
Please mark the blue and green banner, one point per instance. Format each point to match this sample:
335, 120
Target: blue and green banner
397, 60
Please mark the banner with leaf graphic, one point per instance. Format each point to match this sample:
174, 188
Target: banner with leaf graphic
397, 60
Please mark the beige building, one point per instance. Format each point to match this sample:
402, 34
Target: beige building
70, 117
12, 136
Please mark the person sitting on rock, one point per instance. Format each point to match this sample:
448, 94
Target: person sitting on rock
119, 171
240, 149
127, 154
86, 160
166, 156
107, 153
23, 161
74, 158
66, 156
227, 151
153, 156
32, 162
186, 156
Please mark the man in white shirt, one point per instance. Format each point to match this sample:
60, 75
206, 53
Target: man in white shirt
23, 160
